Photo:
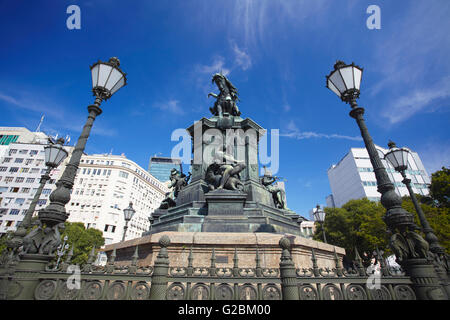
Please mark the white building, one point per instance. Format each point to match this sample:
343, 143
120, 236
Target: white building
307, 228
104, 186
21, 167
353, 177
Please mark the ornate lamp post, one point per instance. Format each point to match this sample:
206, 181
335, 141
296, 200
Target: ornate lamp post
107, 78
410, 248
40, 244
128, 213
54, 156
319, 215
398, 158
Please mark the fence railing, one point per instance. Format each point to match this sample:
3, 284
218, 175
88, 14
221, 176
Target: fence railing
160, 282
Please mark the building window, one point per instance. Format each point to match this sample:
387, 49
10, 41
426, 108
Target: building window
3, 169
20, 179
35, 170
123, 174
18, 160
30, 180
12, 151
110, 228
19, 201
9, 179
24, 170
14, 212
25, 190
46, 191
14, 189
33, 152
6, 160
28, 161
13, 169
41, 202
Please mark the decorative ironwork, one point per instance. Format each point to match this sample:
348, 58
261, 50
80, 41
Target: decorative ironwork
175, 292
45, 290
140, 291
381, 294
356, 292
331, 292
93, 290
200, 292
404, 292
224, 292
247, 292
308, 292
271, 292
116, 291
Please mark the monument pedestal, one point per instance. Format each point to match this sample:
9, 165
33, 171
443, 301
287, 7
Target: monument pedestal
225, 243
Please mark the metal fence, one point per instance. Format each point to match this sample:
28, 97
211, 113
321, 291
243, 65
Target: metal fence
161, 282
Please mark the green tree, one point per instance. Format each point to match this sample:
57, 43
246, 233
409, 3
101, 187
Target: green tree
82, 240
358, 224
440, 187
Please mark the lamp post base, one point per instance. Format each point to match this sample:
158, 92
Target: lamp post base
426, 284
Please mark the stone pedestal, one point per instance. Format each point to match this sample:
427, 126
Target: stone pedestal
224, 244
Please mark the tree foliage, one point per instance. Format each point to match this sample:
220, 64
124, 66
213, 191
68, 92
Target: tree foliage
82, 240
358, 224
440, 187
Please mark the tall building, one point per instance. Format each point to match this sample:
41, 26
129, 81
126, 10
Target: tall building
19, 134
21, 167
160, 167
104, 186
353, 177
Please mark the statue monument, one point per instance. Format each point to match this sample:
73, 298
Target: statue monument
225, 193
224, 203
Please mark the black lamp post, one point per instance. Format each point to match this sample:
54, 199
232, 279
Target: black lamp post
107, 78
319, 215
398, 158
128, 213
410, 248
54, 156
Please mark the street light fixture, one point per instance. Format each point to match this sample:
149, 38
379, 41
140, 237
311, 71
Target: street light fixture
107, 78
345, 81
319, 216
398, 158
54, 156
128, 213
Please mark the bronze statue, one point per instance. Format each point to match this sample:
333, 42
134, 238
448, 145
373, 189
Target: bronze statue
223, 175
226, 99
278, 194
178, 181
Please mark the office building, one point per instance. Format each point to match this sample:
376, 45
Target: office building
104, 186
160, 167
353, 177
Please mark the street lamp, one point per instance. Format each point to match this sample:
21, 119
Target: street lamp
128, 213
107, 78
319, 215
54, 156
409, 247
398, 158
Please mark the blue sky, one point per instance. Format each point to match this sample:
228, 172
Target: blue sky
276, 53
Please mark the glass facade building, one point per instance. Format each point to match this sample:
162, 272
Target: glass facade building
160, 167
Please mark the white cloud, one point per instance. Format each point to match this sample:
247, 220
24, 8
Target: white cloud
415, 101
413, 60
171, 106
30, 104
218, 65
295, 133
242, 58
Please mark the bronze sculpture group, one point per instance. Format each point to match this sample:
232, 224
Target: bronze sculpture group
224, 171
